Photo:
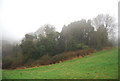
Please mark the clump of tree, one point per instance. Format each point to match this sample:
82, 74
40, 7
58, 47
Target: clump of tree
47, 46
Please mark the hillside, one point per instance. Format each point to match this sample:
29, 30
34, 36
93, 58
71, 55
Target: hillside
100, 65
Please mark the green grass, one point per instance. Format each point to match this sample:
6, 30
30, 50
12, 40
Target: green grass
100, 65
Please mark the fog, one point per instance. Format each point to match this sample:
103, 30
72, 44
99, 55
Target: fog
19, 17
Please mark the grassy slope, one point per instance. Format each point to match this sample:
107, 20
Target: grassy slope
101, 65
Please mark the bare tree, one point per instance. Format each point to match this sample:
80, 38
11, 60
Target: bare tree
108, 22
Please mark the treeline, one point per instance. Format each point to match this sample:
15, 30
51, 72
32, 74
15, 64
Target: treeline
47, 46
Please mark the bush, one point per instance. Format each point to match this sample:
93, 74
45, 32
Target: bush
70, 55
6, 63
29, 63
45, 59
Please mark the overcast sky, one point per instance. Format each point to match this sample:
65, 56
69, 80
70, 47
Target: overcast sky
18, 17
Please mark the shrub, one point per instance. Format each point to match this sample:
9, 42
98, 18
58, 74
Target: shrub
6, 63
71, 54
44, 60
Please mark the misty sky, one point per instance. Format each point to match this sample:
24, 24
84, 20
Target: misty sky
18, 17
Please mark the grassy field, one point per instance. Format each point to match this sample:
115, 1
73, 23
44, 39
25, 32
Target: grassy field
100, 65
